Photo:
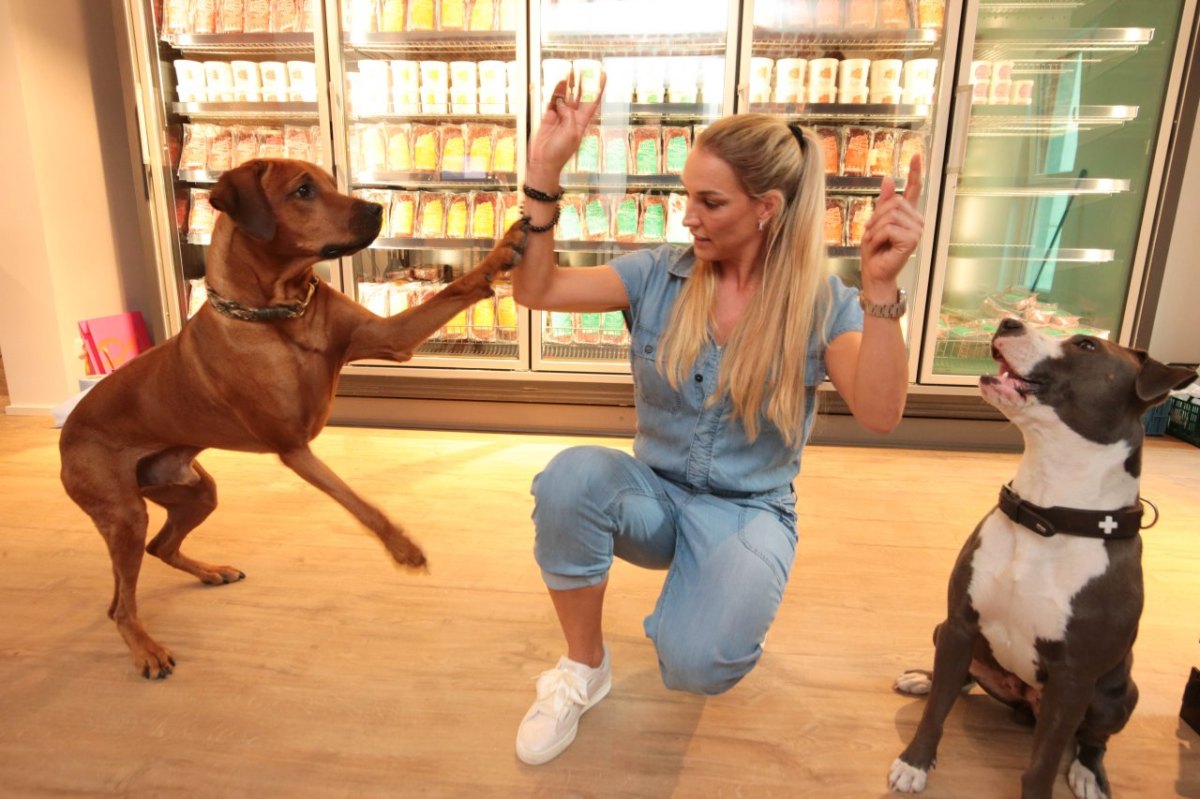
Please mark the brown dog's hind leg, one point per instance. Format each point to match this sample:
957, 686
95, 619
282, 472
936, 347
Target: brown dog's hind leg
399, 546
188, 503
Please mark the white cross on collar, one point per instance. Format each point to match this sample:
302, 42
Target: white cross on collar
1108, 525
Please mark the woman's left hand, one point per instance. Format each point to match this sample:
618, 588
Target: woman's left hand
893, 231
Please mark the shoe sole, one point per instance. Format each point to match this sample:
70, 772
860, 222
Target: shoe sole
532, 759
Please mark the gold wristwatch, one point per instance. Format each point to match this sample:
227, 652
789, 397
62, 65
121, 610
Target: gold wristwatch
890, 310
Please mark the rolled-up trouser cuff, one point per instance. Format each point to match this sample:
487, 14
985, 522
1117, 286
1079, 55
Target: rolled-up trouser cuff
562, 582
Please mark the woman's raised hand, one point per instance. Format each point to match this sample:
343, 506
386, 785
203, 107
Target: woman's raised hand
562, 127
894, 230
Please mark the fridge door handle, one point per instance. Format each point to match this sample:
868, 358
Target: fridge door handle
958, 129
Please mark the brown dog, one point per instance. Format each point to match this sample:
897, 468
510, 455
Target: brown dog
255, 370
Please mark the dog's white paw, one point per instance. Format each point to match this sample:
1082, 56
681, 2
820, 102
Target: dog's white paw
914, 682
904, 778
1083, 782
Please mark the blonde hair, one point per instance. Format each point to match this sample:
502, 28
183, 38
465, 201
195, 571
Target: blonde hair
766, 353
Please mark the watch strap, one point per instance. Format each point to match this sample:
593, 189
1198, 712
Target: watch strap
888, 310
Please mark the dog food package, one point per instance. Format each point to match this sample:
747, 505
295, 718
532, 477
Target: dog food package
483, 16
431, 219
590, 328
297, 142
452, 15
483, 214
895, 14
570, 218
195, 146
374, 297
286, 15
612, 329
595, 218
646, 146
392, 15
856, 151
399, 147
481, 318
858, 211
457, 328
361, 16
559, 327
374, 148
510, 210
827, 14
677, 143
931, 14
587, 157
835, 221
504, 151
506, 312
257, 16
625, 214
677, 232
318, 151
458, 215
201, 216
830, 149
403, 214
270, 142
176, 17
480, 143
220, 150
652, 226
454, 149
615, 145
883, 153
245, 144
911, 143
354, 144
422, 15
426, 148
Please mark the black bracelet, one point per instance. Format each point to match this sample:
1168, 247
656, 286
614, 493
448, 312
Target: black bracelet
527, 222
541, 196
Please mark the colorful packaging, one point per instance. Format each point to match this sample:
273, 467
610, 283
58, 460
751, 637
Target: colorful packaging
270, 142
595, 218
911, 143
245, 144
677, 232
615, 143
835, 221
285, 15
482, 319
202, 215
483, 214
830, 149
480, 144
454, 149
625, 214
856, 151
403, 213
426, 146
677, 143
612, 330
558, 327
452, 15
458, 215
392, 15
591, 325
431, 218
483, 16
510, 210
859, 210
399, 147
232, 16
570, 218
587, 157
220, 150
504, 151
506, 313
654, 218
646, 147
883, 153
195, 146
422, 15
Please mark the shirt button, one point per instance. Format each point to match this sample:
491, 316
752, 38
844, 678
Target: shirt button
648, 349
699, 378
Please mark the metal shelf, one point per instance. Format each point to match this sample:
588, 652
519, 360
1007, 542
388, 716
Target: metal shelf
382, 243
1041, 187
258, 111
391, 117
585, 352
844, 112
775, 42
611, 112
612, 248
438, 180
612, 181
1023, 43
581, 44
465, 347
240, 44
1002, 120
430, 42
1023, 252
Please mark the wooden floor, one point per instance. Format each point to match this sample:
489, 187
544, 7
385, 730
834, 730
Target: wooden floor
329, 673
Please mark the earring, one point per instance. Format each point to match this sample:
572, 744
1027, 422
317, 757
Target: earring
762, 224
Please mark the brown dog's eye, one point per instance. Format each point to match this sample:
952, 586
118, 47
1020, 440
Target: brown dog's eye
1086, 344
305, 192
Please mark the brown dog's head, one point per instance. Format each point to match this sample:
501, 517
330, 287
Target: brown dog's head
293, 209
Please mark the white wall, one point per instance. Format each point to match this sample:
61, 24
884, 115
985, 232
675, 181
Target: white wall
71, 214
1176, 334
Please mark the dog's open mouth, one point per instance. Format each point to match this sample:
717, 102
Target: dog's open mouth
1009, 379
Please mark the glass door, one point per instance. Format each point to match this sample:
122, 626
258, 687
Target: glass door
1052, 179
623, 190
429, 116
870, 78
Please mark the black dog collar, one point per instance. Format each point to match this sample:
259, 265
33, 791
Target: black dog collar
1106, 524
235, 310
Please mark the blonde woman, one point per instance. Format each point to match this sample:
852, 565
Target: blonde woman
730, 337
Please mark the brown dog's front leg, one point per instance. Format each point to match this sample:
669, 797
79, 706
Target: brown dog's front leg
402, 549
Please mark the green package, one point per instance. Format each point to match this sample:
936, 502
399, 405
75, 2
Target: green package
587, 159
677, 152
654, 221
627, 218
570, 226
616, 156
596, 218
647, 157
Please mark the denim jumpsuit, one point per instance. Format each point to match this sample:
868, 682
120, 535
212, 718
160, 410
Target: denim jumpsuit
699, 499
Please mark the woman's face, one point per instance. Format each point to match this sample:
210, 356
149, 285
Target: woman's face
721, 216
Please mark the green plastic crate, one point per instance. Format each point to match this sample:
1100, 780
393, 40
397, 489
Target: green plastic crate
1184, 420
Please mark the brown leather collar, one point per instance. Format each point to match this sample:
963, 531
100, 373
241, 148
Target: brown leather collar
271, 313
1105, 524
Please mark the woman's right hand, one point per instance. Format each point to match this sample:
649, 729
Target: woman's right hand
562, 128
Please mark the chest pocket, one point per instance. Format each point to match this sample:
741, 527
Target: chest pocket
652, 388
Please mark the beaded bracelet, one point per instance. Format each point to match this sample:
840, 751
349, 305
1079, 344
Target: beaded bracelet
541, 196
527, 221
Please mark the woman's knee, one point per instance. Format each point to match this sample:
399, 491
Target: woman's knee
703, 669
576, 479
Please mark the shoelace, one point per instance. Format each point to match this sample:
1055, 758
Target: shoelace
558, 690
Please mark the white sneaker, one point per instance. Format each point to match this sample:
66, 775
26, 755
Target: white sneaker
564, 693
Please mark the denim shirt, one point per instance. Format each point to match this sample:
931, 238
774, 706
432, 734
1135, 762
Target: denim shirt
682, 438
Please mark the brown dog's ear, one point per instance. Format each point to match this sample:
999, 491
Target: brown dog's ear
1155, 380
239, 195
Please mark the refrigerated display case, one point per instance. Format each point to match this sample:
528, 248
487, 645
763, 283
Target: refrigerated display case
872, 79
1053, 172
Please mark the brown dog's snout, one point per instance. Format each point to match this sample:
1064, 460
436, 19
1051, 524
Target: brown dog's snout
366, 217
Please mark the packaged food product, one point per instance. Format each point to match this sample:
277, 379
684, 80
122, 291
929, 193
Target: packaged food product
860, 14
761, 69
245, 144
595, 218
301, 81
374, 148
431, 218
570, 218
482, 319
980, 90
827, 14
218, 81
894, 14
587, 157
654, 218
646, 146
859, 210
374, 297
504, 151
612, 330
231, 16
835, 221
677, 232
201, 215
480, 142
911, 143
318, 150
220, 150
587, 78
483, 214
285, 15
854, 72
361, 16
506, 313
257, 16
457, 328
399, 147
197, 296
507, 15
458, 215
402, 214
1022, 92
270, 142
615, 144
422, 15
677, 143
830, 149
931, 14
883, 153
452, 15
190, 81
426, 148
483, 16
392, 15
856, 151
558, 327
591, 325
510, 210
625, 215
195, 146
454, 149
796, 14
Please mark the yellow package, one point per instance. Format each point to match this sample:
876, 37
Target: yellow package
483, 320
421, 15
399, 152
432, 215
457, 216
403, 213
454, 149
479, 145
392, 16
512, 210
483, 215
425, 148
504, 152
454, 15
483, 15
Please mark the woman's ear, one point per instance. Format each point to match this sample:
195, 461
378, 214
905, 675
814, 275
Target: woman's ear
770, 205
